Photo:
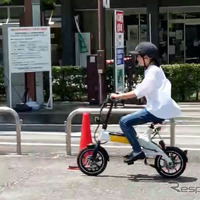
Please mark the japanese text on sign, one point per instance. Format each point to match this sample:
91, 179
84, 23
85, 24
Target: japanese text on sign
119, 50
120, 56
119, 22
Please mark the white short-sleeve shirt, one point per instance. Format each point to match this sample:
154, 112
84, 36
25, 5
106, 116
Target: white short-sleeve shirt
157, 90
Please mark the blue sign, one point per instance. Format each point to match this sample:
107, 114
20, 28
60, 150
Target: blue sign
120, 56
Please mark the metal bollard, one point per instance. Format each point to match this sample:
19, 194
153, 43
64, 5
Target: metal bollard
172, 132
18, 125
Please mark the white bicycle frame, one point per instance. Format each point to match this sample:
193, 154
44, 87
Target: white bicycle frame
150, 149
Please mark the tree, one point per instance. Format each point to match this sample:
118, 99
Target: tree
48, 4
5, 1
45, 4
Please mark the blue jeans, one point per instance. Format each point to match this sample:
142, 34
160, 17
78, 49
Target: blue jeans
127, 122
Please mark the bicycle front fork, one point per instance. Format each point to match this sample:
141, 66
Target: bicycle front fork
96, 149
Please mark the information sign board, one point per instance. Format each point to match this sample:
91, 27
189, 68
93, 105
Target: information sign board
29, 49
119, 50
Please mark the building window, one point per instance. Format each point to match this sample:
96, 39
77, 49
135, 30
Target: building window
143, 28
176, 38
53, 19
131, 35
192, 16
3, 15
184, 37
1, 47
163, 44
192, 37
15, 14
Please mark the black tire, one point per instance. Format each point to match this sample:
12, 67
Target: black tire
91, 167
179, 160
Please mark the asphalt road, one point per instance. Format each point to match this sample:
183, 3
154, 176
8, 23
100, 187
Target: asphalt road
41, 172
36, 177
187, 137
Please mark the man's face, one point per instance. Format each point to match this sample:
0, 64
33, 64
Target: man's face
143, 61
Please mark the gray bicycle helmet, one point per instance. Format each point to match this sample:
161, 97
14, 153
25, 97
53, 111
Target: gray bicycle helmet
147, 49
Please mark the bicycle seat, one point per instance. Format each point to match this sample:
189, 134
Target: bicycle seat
158, 123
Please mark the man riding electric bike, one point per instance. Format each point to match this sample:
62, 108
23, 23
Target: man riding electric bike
156, 88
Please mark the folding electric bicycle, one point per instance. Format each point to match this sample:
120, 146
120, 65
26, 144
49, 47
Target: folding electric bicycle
169, 161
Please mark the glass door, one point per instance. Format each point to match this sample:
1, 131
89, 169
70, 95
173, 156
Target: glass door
1, 47
176, 39
192, 43
131, 27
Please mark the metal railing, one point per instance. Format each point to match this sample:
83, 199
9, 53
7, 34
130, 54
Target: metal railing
7, 110
114, 111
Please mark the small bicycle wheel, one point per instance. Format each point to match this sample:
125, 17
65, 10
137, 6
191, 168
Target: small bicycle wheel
90, 166
179, 160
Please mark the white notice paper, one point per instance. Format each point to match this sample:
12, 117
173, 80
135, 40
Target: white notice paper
29, 49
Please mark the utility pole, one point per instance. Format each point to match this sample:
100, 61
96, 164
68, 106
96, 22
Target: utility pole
67, 30
101, 24
101, 52
153, 21
29, 77
33, 81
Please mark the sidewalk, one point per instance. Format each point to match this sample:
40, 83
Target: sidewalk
41, 177
58, 115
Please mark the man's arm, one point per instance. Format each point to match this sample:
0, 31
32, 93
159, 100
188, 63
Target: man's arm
127, 95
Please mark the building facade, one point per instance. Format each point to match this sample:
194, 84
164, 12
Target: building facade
172, 25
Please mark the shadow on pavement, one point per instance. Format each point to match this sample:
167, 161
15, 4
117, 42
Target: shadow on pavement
111, 176
147, 178
155, 178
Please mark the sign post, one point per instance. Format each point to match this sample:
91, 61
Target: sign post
101, 51
29, 50
119, 50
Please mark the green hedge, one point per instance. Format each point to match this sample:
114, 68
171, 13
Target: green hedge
69, 82
185, 79
5, 2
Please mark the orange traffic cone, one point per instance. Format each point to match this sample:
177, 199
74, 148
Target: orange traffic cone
86, 137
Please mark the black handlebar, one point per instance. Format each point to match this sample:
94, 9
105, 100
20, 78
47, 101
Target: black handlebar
112, 101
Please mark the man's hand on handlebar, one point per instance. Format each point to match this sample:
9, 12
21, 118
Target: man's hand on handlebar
126, 95
115, 96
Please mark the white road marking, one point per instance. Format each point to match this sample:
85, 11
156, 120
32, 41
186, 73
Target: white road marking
77, 145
